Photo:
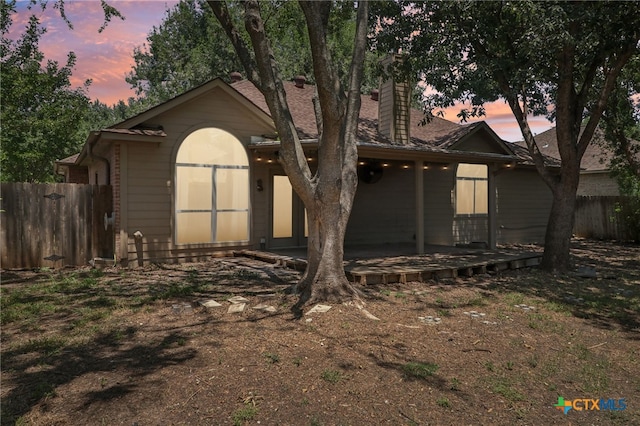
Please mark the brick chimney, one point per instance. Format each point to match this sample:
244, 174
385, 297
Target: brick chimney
299, 81
394, 105
235, 77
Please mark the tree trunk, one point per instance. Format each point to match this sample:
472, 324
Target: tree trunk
325, 280
557, 242
327, 194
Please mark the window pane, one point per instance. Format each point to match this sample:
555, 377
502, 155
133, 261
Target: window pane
232, 226
472, 189
194, 188
212, 146
201, 153
482, 197
232, 189
282, 207
193, 228
472, 170
464, 196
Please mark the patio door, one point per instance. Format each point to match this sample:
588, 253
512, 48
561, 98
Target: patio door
288, 215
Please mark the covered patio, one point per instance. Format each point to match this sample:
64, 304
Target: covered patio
399, 263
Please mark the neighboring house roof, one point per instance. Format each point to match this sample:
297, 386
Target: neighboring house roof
69, 160
596, 157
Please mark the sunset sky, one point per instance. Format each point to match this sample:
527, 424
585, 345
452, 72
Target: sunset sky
107, 57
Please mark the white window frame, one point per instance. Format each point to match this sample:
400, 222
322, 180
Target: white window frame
475, 180
214, 210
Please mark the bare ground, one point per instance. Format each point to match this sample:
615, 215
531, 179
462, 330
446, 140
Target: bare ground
135, 347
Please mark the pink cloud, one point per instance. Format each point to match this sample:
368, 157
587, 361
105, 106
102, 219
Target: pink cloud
107, 57
501, 119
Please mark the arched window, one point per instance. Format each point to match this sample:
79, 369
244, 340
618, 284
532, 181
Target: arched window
472, 190
212, 189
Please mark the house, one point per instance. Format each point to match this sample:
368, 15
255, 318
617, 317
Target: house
595, 178
199, 174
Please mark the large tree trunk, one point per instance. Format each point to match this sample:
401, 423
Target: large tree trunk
328, 193
324, 279
556, 255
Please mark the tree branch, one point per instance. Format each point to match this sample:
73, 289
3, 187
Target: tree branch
244, 54
520, 115
608, 86
263, 73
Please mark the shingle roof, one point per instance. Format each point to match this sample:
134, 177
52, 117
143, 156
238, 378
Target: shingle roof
522, 152
68, 160
596, 158
135, 132
434, 136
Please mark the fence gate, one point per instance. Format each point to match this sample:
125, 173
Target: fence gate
53, 225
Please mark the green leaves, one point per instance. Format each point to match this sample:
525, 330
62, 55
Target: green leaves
187, 49
40, 110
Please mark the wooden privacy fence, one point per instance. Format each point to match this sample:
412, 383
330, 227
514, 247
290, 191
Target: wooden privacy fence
600, 217
53, 225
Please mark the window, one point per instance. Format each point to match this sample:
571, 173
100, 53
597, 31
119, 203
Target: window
472, 195
212, 189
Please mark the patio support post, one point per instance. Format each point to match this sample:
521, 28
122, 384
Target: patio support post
493, 205
419, 174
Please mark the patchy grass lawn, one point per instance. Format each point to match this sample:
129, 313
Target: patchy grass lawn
134, 346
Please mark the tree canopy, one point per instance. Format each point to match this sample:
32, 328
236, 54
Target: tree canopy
622, 126
187, 49
560, 59
190, 47
622, 138
40, 110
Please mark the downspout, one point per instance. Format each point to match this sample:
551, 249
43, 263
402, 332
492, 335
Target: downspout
93, 156
90, 145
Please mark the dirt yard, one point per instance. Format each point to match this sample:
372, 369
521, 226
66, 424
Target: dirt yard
137, 347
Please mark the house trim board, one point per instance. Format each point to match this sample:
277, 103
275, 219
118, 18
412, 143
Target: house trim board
124, 205
419, 178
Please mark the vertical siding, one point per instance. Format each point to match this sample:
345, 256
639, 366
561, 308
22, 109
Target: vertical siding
524, 203
393, 113
385, 111
401, 116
